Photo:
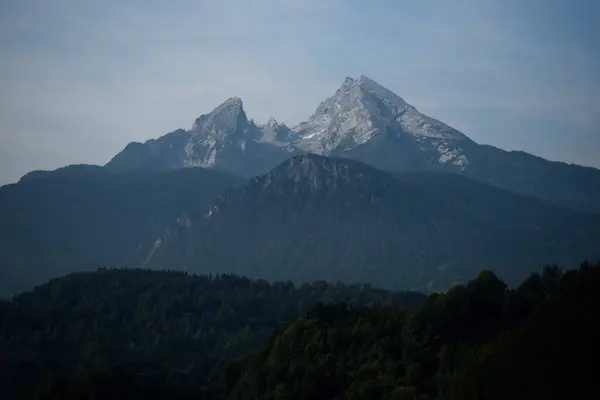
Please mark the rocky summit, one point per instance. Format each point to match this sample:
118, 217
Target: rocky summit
364, 121
360, 114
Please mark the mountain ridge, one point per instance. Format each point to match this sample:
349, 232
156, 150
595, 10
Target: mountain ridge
310, 217
81, 217
317, 217
367, 122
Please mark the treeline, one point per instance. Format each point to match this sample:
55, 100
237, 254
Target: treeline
151, 330
150, 334
477, 341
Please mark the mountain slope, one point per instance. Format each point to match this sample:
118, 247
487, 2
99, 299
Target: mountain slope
369, 123
223, 139
314, 217
81, 217
168, 332
564, 184
366, 122
477, 341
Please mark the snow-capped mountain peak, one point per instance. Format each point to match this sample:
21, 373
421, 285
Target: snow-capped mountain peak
344, 119
364, 95
362, 111
364, 121
360, 120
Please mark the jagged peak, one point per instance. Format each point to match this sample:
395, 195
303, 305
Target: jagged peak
273, 122
369, 86
232, 102
353, 91
348, 83
346, 86
232, 109
379, 90
363, 79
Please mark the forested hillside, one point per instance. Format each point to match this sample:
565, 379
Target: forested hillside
80, 217
319, 218
153, 327
478, 341
149, 334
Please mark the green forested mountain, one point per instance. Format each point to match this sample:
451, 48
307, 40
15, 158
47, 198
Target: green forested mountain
137, 334
151, 331
82, 217
314, 217
480, 341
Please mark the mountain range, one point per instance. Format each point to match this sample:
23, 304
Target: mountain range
367, 190
366, 122
331, 219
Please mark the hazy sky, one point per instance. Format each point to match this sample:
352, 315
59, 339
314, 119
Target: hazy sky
79, 79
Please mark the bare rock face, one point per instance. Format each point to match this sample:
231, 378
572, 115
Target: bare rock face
223, 139
361, 114
366, 122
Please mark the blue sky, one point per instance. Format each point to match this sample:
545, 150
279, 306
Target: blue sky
79, 79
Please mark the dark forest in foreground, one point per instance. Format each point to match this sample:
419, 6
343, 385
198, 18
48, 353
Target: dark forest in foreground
154, 325
150, 334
